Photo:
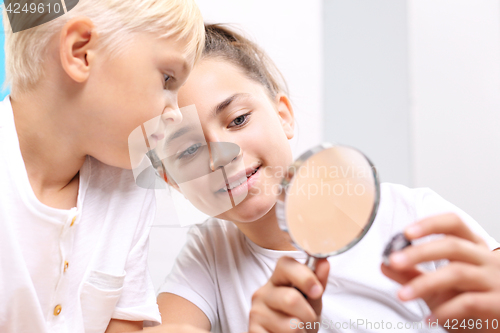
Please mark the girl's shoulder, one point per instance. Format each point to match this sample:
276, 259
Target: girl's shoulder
401, 206
417, 203
397, 194
399, 200
217, 234
214, 227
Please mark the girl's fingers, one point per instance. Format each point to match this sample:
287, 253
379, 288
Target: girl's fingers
266, 316
470, 305
265, 320
449, 224
402, 277
322, 272
290, 302
279, 307
454, 277
449, 247
256, 322
256, 328
289, 272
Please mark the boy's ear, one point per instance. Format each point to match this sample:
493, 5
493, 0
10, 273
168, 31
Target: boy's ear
285, 112
77, 47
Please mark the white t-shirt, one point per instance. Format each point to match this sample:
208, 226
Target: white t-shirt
72, 270
219, 269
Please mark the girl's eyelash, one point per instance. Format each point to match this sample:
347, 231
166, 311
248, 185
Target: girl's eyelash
245, 117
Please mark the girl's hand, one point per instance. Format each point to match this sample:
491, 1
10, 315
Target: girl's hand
279, 307
467, 288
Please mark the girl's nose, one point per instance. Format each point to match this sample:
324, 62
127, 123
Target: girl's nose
223, 153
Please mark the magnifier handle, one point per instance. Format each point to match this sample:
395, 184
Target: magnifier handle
311, 263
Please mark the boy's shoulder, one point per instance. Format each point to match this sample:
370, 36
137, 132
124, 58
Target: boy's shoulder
110, 195
110, 178
6, 114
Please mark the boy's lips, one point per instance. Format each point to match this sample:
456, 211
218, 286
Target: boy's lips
237, 179
154, 138
158, 136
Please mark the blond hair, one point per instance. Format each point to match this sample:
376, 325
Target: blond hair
114, 20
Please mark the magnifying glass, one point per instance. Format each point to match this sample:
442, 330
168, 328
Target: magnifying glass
328, 200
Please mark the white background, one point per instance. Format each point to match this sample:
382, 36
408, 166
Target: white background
455, 92
415, 84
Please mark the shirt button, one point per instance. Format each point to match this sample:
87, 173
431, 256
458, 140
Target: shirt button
73, 221
57, 310
66, 264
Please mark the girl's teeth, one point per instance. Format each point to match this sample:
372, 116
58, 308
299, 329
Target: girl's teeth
253, 173
237, 183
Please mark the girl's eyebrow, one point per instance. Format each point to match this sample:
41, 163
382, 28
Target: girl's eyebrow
224, 104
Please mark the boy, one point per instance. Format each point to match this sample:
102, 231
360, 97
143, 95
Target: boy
73, 224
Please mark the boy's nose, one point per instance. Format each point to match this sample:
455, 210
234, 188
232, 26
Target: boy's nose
173, 114
223, 153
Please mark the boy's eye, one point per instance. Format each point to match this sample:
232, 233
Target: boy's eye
166, 78
190, 151
239, 121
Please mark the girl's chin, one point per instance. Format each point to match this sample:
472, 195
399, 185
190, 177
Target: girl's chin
249, 210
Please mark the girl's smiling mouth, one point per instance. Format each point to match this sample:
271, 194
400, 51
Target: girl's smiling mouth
241, 182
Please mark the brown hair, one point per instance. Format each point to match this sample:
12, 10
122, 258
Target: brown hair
221, 41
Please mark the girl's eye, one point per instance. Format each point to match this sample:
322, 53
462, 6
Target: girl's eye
166, 78
190, 151
240, 121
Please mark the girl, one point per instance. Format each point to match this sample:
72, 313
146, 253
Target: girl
236, 272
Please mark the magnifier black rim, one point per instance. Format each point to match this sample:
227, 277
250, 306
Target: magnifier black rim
281, 210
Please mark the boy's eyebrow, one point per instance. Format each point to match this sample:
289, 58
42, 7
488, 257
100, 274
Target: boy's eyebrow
224, 104
178, 63
184, 65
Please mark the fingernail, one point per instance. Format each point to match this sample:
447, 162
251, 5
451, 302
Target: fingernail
414, 230
406, 293
398, 258
316, 291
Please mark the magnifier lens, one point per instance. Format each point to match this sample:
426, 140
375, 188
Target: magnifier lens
331, 201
